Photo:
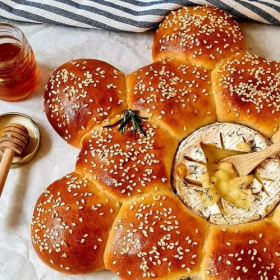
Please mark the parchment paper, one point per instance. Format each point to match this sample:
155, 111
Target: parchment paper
55, 45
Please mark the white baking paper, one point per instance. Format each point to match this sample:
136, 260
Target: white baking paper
54, 45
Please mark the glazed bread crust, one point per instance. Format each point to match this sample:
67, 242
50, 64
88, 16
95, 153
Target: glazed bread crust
71, 223
125, 166
201, 35
150, 232
246, 91
201, 74
82, 93
174, 94
249, 251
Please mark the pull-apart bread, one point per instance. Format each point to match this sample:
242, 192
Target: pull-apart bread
148, 198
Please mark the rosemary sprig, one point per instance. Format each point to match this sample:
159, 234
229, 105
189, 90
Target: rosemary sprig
133, 117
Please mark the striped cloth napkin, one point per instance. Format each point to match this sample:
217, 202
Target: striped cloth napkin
127, 15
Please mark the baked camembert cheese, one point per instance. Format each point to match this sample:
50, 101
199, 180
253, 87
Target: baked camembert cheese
214, 190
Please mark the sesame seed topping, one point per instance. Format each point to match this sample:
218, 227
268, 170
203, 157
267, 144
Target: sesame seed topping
51, 205
158, 218
209, 35
122, 160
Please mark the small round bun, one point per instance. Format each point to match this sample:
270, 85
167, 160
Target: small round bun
82, 93
155, 237
125, 166
174, 94
202, 35
246, 91
249, 251
70, 225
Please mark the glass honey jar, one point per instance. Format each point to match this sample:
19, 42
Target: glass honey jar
18, 70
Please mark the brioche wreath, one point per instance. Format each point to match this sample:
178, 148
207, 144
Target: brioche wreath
117, 210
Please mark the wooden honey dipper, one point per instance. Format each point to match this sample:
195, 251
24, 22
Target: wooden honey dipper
13, 142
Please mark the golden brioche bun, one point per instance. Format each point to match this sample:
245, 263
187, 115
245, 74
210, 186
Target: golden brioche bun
202, 35
82, 93
246, 91
249, 251
125, 166
155, 236
174, 94
70, 225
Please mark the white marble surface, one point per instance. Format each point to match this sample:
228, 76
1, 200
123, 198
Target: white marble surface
54, 45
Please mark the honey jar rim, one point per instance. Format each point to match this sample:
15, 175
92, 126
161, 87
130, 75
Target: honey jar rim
22, 40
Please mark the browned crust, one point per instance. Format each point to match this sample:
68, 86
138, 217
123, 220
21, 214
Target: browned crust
202, 35
125, 166
82, 93
249, 251
246, 91
70, 225
151, 239
155, 235
174, 94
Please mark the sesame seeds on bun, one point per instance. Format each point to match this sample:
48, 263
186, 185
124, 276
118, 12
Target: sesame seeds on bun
118, 210
125, 166
82, 93
166, 89
152, 233
249, 251
246, 90
70, 225
201, 35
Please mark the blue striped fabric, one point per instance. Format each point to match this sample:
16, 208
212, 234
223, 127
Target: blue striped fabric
127, 15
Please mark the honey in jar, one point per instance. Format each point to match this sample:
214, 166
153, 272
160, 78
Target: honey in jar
18, 70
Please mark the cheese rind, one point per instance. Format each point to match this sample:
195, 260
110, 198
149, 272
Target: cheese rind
243, 199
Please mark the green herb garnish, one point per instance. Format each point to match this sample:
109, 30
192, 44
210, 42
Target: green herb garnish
130, 116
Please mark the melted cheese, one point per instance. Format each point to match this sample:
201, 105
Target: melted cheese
214, 191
